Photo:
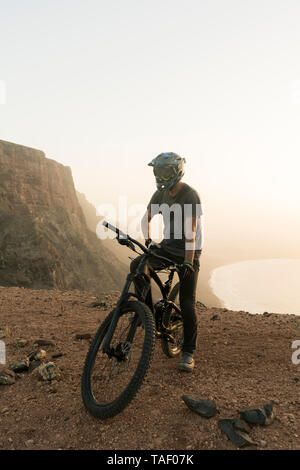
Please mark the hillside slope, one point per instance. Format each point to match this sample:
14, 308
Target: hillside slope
242, 361
44, 238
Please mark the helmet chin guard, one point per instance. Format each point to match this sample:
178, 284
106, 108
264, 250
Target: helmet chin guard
168, 169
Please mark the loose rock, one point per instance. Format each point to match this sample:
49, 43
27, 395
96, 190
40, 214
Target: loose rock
33, 365
4, 332
21, 365
7, 377
40, 355
54, 356
101, 303
263, 416
83, 336
215, 317
29, 443
200, 305
236, 432
205, 408
267, 314
43, 342
48, 371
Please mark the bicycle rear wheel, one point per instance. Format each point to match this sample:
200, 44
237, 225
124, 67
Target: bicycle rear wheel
110, 383
173, 321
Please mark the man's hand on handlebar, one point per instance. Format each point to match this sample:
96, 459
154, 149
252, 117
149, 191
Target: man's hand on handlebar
151, 244
186, 269
125, 241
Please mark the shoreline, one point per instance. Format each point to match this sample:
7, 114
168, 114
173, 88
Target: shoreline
258, 285
205, 293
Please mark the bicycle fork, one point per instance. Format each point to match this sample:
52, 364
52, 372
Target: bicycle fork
106, 349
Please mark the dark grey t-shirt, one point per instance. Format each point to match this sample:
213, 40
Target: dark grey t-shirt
175, 211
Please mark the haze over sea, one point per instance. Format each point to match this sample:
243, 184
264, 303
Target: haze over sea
257, 286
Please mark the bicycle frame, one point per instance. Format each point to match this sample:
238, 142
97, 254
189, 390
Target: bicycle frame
145, 271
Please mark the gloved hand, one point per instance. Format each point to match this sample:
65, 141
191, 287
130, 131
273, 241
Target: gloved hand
151, 244
186, 269
147, 242
125, 241
122, 241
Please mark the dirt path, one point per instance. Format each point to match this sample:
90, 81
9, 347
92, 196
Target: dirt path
242, 361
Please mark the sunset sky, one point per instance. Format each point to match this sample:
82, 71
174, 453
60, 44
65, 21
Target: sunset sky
105, 86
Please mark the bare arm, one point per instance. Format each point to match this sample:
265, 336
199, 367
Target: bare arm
190, 239
145, 224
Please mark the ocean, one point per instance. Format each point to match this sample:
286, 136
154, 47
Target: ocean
258, 286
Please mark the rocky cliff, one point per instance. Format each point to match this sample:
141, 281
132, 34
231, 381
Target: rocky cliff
89, 212
44, 238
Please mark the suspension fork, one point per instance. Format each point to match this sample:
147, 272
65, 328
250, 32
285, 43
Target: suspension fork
117, 314
168, 283
170, 303
147, 292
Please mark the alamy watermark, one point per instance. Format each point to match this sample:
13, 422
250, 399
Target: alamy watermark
296, 354
2, 92
177, 221
2, 353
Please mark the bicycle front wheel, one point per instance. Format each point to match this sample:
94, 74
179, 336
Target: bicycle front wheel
111, 381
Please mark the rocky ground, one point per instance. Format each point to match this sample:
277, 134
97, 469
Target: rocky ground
242, 361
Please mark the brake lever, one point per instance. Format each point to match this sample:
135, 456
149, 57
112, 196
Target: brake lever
126, 242
131, 245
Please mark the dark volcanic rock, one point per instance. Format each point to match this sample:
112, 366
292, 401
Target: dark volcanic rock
263, 416
43, 342
215, 317
83, 336
33, 365
20, 365
236, 431
96, 304
205, 408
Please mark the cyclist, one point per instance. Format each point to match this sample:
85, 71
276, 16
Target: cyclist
180, 207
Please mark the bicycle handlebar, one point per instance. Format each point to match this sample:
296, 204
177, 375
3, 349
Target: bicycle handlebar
145, 250
124, 235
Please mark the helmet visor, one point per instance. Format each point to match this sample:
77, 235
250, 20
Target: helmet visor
163, 173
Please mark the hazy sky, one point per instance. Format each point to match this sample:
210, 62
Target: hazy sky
104, 86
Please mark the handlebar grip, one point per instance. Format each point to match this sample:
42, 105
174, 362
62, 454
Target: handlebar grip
111, 227
114, 229
124, 235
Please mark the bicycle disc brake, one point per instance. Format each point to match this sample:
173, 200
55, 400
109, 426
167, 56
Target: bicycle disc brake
120, 352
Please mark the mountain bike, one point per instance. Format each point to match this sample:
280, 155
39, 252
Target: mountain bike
122, 349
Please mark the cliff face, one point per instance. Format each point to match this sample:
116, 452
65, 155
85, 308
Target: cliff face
44, 239
89, 212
